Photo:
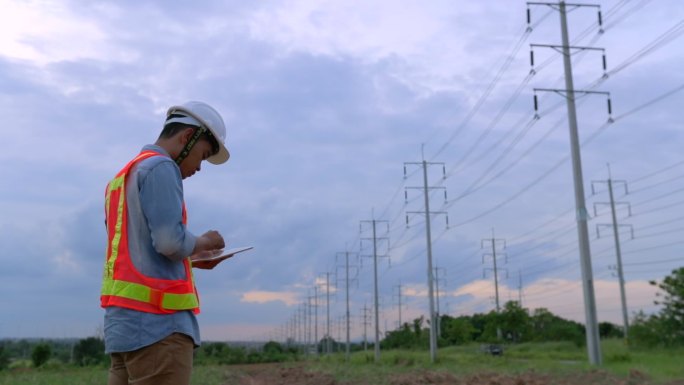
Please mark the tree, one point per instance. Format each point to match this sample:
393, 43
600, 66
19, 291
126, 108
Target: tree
400, 338
4, 358
457, 330
610, 330
272, 347
644, 331
672, 313
89, 351
515, 322
41, 354
547, 326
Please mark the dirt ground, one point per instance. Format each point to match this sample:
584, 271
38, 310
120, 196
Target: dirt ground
276, 374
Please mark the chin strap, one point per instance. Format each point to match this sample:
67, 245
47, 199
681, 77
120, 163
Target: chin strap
188, 146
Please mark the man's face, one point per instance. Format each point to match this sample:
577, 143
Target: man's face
192, 163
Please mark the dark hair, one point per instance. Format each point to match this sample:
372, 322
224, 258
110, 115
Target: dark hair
172, 129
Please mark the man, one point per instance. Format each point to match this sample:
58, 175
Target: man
148, 291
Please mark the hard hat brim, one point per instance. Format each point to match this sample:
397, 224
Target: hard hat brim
221, 156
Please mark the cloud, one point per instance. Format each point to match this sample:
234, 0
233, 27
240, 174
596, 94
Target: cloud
47, 31
324, 103
289, 298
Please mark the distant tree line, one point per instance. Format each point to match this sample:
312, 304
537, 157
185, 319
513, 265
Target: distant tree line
42, 352
222, 353
515, 324
90, 352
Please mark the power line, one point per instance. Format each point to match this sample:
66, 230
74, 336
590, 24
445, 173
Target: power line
661, 223
659, 197
657, 184
654, 262
657, 172
490, 87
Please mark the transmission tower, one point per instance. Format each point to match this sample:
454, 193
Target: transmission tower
400, 304
313, 304
616, 235
520, 288
439, 283
428, 215
347, 280
375, 257
592, 333
366, 323
495, 265
328, 336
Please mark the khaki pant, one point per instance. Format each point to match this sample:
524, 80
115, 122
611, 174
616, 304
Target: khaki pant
167, 362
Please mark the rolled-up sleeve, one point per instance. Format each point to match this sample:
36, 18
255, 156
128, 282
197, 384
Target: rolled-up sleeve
161, 198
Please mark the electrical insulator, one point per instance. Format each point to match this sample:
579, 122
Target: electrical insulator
605, 66
532, 58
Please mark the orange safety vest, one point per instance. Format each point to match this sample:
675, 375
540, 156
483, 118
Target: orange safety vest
123, 285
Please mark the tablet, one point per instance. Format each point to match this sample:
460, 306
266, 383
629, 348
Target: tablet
219, 255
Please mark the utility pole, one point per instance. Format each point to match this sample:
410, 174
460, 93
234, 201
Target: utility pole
313, 321
424, 164
493, 241
592, 333
366, 323
316, 317
309, 323
616, 235
346, 267
295, 328
520, 286
303, 309
438, 282
399, 303
328, 336
375, 256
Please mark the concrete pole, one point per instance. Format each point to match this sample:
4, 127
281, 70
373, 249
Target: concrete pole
593, 341
347, 294
621, 277
496, 274
375, 284
327, 311
316, 317
433, 326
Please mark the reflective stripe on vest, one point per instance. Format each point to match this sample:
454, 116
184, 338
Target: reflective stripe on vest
123, 285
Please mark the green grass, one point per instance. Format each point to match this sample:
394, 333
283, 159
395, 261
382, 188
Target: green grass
659, 365
557, 358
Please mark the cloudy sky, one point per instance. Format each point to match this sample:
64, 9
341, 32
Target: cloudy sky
326, 103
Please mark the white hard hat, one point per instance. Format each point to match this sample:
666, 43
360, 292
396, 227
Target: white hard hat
210, 119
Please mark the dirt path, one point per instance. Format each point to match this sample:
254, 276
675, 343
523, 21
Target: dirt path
277, 374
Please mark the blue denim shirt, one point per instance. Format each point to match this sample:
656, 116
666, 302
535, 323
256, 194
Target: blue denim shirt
158, 242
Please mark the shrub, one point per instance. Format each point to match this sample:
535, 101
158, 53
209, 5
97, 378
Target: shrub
41, 354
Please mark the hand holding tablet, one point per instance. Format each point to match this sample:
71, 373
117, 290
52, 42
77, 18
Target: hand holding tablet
209, 259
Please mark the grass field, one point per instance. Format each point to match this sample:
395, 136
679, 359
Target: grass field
556, 359
561, 358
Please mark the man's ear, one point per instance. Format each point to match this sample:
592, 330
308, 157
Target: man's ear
185, 135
